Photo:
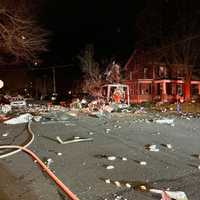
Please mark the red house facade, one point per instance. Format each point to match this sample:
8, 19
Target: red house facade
157, 81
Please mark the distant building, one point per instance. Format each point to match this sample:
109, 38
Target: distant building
156, 81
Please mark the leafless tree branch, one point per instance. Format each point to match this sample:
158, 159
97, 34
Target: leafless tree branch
21, 38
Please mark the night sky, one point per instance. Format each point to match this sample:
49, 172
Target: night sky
108, 25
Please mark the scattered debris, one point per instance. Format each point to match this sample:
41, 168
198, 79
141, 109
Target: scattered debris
128, 185
152, 147
143, 187
6, 108
143, 163
136, 185
24, 118
111, 158
108, 130
124, 159
110, 167
91, 133
59, 154
5, 134
37, 118
48, 162
177, 195
169, 146
73, 140
117, 183
107, 181
165, 121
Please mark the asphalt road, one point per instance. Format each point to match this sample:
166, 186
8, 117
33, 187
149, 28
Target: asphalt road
82, 166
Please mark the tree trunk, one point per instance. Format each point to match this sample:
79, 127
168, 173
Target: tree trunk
187, 93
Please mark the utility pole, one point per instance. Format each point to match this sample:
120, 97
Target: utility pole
54, 79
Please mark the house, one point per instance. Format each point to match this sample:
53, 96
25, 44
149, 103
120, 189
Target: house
150, 80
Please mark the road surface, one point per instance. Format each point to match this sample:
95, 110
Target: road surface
83, 166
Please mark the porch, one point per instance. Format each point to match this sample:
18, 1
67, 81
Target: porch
148, 90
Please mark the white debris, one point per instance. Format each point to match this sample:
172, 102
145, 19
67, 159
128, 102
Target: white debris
119, 198
172, 125
169, 146
143, 163
117, 183
91, 133
37, 118
74, 140
107, 181
110, 167
199, 167
165, 121
24, 118
49, 161
59, 154
5, 134
124, 159
154, 148
177, 195
83, 101
111, 158
143, 187
108, 130
128, 185
6, 108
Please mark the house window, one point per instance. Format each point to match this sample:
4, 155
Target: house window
161, 71
131, 76
194, 89
131, 87
179, 73
145, 88
145, 72
169, 88
158, 89
179, 90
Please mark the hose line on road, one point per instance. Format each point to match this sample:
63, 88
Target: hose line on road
58, 182
26, 145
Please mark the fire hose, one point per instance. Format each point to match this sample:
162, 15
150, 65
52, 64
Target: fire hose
36, 159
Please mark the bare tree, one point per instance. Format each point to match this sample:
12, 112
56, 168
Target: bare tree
21, 38
92, 76
113, 73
